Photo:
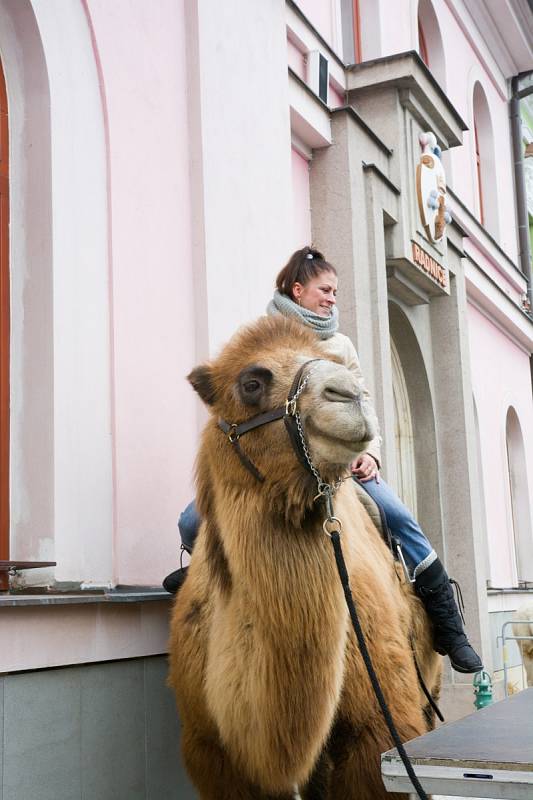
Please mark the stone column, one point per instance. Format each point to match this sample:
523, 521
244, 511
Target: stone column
456, 436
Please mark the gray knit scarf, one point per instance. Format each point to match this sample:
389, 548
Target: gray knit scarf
324, 327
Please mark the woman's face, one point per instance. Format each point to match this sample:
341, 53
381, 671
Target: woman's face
318, 295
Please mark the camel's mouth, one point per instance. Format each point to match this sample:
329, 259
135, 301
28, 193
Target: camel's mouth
336, 395
357, 442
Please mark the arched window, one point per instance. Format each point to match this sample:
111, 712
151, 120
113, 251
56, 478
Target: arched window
519, 496
422, 46
485, 162
4, 330
480, 482
430, 41
403, 433
59, 397
358, 49
479, 178
350, 14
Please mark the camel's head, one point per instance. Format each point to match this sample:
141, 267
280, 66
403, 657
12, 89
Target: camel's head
254, 373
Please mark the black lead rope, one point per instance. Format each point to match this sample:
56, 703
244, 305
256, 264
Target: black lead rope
343, 574
393, 543
423, 686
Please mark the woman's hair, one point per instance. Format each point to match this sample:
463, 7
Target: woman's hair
303, 265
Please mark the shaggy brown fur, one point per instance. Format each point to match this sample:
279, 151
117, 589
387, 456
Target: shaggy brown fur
270, 685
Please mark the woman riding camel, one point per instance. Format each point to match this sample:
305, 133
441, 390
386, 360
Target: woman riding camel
306, 289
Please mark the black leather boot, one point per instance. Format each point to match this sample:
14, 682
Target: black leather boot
173, 582
434, 588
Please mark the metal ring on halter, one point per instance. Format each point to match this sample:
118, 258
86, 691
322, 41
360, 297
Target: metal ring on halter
323, 489
232, 433
290, 407
337, 526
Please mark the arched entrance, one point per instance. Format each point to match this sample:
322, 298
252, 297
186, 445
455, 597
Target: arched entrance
4, 328
403, 433
416, 443
519, 495
59, 374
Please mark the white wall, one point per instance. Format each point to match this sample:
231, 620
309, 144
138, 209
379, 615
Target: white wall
241, 159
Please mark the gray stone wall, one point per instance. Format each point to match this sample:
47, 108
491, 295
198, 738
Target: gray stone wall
105, 731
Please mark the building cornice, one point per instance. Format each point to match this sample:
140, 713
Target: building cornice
358, 119
507, 29
486, 243
494, 305
373, 168
407, 73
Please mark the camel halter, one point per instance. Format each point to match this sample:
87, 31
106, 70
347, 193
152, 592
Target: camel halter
291, 417
332, 527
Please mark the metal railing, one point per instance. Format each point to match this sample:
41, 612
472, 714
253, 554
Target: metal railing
505, 653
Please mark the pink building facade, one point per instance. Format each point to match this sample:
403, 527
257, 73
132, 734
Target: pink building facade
165, 159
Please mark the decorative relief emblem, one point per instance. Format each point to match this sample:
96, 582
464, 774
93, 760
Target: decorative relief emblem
431, 188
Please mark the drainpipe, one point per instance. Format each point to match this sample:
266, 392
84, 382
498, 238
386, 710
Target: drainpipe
520, 183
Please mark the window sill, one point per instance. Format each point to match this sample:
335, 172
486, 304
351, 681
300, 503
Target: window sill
510, 590
131, 594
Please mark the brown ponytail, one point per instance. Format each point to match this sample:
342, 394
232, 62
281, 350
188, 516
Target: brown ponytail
303, 265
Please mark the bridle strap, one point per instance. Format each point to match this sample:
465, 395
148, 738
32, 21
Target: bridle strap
247, 462
292, 429
235, 431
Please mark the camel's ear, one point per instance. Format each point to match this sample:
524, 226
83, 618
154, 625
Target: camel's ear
201, 380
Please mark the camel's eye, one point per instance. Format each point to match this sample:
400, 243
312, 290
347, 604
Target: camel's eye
253, 384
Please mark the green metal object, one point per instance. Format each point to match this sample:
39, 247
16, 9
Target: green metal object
482, 689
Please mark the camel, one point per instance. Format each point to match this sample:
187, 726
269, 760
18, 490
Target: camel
525, 612
271, 688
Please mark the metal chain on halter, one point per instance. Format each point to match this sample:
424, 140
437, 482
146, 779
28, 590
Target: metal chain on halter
290, 405
325, 490
332, 527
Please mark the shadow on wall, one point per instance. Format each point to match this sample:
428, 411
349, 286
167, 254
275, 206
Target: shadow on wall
104, 731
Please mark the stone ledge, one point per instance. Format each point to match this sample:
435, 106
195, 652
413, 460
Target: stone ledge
129, 595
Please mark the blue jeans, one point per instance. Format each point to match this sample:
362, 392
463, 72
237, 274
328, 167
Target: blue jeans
188, 525
416, 549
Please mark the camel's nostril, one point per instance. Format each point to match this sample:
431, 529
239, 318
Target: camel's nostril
336, 394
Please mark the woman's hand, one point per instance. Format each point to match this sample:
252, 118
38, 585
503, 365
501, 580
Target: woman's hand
365, 468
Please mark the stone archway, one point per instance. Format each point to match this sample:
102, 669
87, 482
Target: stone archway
403, 434
59, 266
519, 497
424, 441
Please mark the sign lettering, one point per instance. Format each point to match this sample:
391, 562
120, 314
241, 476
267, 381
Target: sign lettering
430, 266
